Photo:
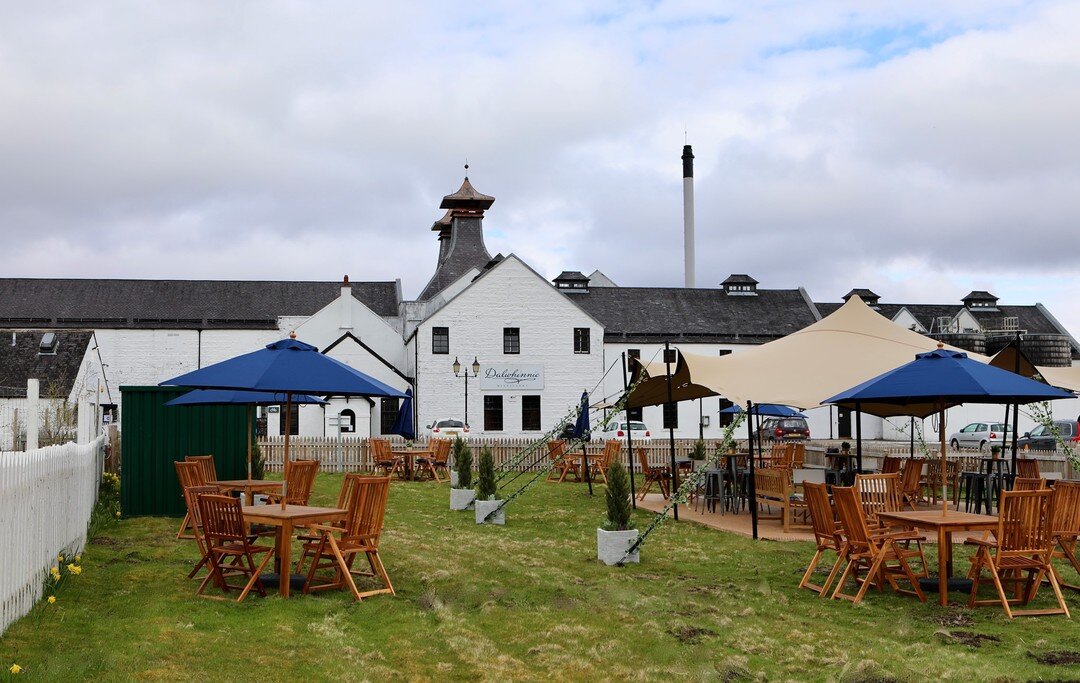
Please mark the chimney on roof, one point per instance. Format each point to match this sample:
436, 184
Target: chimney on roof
345, 305
688, 215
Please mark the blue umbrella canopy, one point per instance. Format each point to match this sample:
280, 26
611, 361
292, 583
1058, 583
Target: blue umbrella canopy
289, 366
767, 410
581, 427
217, 397
940, 379
403, 425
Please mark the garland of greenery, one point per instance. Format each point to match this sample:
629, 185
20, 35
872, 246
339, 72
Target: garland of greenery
690, 483
1043, 414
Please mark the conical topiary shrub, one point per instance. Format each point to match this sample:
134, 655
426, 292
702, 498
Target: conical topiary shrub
489, 509
461, 492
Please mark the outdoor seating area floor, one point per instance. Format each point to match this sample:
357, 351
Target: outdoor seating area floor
769, 529
525, 601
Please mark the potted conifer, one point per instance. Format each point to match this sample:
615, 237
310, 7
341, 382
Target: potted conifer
487, 497
455, 453
617, 534
461, 491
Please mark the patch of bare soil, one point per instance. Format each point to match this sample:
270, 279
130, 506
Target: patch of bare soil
691, 635
968, 638
953, 617
1056, 658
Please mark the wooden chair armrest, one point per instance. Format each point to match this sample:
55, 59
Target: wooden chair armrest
323, 527
981, 541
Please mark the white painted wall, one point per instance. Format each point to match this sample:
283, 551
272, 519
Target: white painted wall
509, 295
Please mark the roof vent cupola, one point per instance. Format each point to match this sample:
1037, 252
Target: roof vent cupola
740, 284
461, 237
868, 297
981, 301
572, 282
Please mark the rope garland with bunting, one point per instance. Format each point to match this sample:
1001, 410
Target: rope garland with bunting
689, 484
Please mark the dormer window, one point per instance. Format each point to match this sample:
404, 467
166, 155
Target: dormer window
980, 300
572, 282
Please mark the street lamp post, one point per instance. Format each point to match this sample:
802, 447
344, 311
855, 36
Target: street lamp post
465, 374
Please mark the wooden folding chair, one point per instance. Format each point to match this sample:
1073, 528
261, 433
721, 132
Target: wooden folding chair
598, 466
773, 487
826, 534
188, 474
910, 481
191, 500
798, 454
891, 465
440, 456
881, 493
383, 458
561, 466
1023, 544
1027, 468
230, 551
338, 546
657, 475
299, 479
1065, 526
1024, 484
876, 552
209, 469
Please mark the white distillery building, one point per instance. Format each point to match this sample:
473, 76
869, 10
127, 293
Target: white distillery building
538, 344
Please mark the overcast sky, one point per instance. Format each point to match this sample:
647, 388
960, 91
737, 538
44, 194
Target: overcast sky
919, 148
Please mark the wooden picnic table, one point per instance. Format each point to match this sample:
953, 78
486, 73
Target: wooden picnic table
286, 520
945, 523
409, 455
249, 487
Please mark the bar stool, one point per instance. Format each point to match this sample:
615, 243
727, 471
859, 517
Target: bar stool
714, 490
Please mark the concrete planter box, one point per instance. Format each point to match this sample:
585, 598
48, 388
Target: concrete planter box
462, 499
612, 545
485, 507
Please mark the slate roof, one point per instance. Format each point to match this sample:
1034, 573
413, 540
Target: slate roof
571, 276
657, 314
175, 304
1030, 318
56, 372
466, 251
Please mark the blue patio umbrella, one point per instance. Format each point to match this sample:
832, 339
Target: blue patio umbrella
766, 410
288, 366
938, 380
219, 397
403, 425
582, 432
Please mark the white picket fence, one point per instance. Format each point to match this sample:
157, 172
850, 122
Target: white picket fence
352, 455
46, 497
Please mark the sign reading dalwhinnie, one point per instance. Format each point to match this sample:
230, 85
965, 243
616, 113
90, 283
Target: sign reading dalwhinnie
512, 377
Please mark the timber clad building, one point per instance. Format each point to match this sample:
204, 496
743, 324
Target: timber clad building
538, 344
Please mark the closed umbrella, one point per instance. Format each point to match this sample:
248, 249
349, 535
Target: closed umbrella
403, 424
218, 397
581, 431
938, 380
288, 366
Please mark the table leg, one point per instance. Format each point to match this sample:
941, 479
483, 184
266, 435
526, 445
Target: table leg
250, 496
944, 566
284, 550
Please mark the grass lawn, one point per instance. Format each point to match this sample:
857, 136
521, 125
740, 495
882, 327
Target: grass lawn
525, 601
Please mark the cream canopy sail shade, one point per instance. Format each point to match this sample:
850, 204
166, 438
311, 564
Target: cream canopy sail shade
1064, 378
804, 368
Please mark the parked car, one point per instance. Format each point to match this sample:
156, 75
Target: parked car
1042, 438
980, 436
617, 430
448, 429
784, 428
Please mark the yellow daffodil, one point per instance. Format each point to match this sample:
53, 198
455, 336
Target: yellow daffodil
118, 515
15, 669
60, 557
78, 558
75, 569
52, 599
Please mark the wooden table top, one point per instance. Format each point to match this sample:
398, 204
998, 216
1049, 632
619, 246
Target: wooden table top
240, 483
953, 519
412, 451
273, 513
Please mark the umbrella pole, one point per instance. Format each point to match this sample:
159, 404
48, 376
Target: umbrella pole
585, 460
1016, 428
629, 435
285, 457
858, 438
250, 408
944, 461
911, 449
750, 447
671, 435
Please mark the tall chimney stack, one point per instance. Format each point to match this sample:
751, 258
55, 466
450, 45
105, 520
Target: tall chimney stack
688, 214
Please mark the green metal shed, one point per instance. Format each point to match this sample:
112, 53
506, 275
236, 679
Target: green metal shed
154, 436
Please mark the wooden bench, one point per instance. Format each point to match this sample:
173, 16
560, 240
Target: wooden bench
772, 487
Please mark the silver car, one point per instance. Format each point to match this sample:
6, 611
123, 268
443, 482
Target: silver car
981, 436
